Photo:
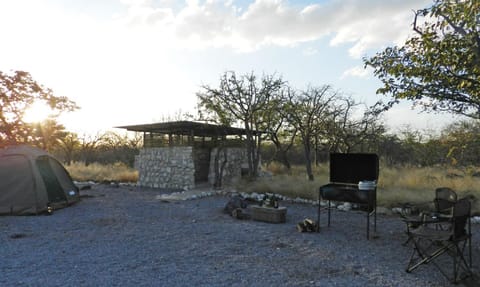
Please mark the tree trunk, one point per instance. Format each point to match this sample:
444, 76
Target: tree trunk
308, 160
219, 167
281, 157
256, 160
280, 154
253, 153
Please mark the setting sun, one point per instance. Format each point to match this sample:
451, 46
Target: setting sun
37, 112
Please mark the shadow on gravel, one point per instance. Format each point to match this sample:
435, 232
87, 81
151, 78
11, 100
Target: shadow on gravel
473, 281
18, 235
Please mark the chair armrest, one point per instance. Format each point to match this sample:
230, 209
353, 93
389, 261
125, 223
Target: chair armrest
424, 219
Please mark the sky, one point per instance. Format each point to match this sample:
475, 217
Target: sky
128, 62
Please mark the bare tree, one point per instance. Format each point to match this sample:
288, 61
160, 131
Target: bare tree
88, 144
344, 132
245, 101
307, 111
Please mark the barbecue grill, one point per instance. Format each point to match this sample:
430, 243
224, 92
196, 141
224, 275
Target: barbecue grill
353, 178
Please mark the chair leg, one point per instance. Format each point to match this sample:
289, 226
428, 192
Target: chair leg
368, 222
420, 256
318, 214
412, 264
423, 258
329, 208
461, 262
409, 236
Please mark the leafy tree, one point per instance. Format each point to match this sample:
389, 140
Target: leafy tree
47, 134
463, 141
69, 144
242, 100
390, 150
438, 67
18, 91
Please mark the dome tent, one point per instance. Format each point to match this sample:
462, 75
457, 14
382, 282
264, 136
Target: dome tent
33, 182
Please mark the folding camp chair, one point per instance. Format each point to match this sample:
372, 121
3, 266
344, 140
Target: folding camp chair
445, 199
429, 243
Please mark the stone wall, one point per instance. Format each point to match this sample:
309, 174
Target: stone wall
183, 167
166, 167
236, 160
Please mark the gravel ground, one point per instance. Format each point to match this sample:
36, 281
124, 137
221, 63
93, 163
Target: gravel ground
126, 237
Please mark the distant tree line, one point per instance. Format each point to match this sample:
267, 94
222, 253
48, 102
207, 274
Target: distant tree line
457, 144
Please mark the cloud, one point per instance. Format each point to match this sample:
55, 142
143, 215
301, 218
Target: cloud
362, 24
373, 24
136, 57
357, 71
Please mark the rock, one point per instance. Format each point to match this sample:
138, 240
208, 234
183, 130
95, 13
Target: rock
239, 213
345, 206
265, 174
397, 210
308, 225
383, 210
235, 202
475, 219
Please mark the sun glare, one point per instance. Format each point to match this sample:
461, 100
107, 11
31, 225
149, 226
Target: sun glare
37, 112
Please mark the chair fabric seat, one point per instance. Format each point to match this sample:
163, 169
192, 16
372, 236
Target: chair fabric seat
430, 233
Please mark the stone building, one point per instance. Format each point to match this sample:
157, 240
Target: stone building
185, 154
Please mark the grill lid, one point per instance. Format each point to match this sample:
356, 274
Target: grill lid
353, 167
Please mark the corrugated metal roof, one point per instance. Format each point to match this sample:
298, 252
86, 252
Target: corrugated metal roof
187, 128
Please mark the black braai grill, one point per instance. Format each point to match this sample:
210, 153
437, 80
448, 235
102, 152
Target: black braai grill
346, 171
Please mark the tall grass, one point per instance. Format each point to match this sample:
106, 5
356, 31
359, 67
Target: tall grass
417, 185
118, 172
292, 183
396, 186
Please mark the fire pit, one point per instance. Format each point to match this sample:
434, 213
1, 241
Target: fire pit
269, 214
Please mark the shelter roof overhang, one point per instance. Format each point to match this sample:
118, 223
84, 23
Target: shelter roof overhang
189, 128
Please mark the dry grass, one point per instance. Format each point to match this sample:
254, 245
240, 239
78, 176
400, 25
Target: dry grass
396, 186
118, 172
288, 185
292, 183
417, 185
